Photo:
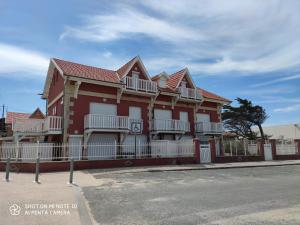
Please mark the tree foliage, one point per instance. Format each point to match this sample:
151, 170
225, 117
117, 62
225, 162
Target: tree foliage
240, 119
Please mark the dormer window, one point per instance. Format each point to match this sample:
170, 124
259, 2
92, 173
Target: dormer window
135, 75
162, 83
183, 84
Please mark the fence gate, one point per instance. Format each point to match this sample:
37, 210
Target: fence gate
268, 152
205, 155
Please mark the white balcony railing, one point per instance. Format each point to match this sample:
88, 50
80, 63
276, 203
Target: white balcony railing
189, 93
96, 121
170, 125
53, 123
140, 85
31, 125
209, 127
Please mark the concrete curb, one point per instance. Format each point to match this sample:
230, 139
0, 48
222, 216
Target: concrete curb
209, 167
226, 167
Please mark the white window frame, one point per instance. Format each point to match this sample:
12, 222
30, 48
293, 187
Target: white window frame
54, 111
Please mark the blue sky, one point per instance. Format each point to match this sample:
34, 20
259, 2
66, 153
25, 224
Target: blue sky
248, 49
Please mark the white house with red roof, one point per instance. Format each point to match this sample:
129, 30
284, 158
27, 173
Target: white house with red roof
86, 104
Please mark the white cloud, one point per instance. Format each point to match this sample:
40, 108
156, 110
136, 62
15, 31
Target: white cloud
279, 80
245, 36
278, 100
269, 91
107, 54
291, 108
25, 62
126, 24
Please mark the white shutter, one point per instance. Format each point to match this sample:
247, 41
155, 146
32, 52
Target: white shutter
103, 109
162, 114
135, 112
184, 116
201, 117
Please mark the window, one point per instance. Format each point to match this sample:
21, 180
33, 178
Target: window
162, 83
135, 75
183, 84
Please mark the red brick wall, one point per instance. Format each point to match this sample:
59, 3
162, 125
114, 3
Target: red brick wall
56, 86
209, 104
98, 88
59, 108
164, 98
82, 107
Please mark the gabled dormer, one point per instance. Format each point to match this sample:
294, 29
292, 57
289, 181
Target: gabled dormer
161, 79
182, 82
135, 76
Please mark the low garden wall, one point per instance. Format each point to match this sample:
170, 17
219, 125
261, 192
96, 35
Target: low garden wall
94, 164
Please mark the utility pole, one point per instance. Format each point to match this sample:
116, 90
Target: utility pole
3, 107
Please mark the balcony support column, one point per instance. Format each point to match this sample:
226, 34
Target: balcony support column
119, 94
77, 85
174, 101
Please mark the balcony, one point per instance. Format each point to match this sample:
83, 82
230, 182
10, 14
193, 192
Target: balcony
209, 128
170, 126
140, 85
189, 93
108, 123
49, 125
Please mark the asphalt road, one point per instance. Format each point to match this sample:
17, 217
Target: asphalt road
269, 196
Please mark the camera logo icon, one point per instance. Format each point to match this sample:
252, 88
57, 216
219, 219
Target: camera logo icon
15, 210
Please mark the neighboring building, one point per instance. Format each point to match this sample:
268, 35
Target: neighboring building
287, 131
19, 125
87, 104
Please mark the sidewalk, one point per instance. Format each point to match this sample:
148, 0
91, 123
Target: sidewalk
198, 167
53, 201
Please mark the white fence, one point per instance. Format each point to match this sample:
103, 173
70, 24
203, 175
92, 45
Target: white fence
28, 152
286, 147
165, 148
241, 148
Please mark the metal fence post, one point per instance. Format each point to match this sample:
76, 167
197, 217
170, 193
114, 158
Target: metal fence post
37, 170
71, 171
7, 169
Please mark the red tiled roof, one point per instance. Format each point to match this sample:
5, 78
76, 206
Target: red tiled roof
122, 70
11, 116
175, 78
90, 72
167, 89
155, 77
210, 95
84, 71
